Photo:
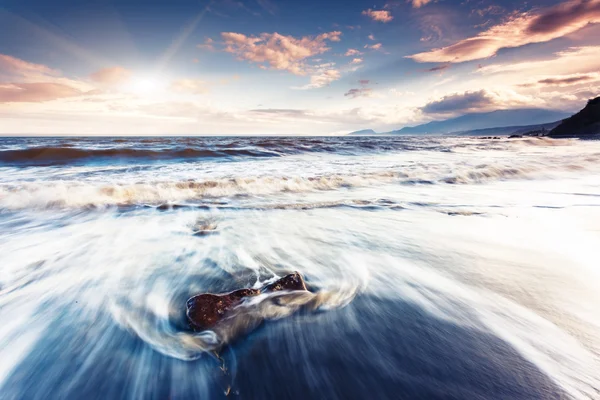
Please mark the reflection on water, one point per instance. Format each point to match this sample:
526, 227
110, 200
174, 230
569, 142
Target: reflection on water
440, 268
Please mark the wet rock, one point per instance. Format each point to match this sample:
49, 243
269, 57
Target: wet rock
290, 282
205, 311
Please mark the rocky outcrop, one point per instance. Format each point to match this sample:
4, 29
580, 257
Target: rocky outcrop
205, 311
585, 123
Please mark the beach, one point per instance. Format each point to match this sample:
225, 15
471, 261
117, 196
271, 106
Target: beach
441, 267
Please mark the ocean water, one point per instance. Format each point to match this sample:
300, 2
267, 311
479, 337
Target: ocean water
439, 268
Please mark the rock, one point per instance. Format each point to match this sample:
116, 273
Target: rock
206, 310
204, 227
290, 282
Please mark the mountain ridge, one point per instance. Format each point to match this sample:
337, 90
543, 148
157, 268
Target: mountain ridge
524, 118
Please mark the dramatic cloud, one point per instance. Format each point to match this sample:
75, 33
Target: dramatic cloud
111, 76
380, 15
275, 51
190, 86
519, 30
476, 101
35, 92
362, 91
352, 52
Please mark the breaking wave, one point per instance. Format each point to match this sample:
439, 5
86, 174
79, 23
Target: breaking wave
90, 194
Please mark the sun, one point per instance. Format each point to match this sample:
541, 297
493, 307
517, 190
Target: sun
146, 85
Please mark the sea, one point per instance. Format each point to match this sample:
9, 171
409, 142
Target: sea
438, 267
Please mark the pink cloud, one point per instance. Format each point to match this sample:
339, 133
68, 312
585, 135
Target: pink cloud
12, 66
376, 46
379, 15
419, 3
521, 29
356, 61
207, 45
352, 52
371, 37
111, 76
275, 51
35, 92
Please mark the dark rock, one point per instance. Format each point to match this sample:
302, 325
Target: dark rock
515, 136
290, 282
206, 310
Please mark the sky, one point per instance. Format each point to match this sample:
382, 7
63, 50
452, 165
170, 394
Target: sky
281, 67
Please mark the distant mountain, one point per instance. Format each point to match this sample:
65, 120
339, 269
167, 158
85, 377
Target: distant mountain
510, 130
585, 122
364, 132
495, 119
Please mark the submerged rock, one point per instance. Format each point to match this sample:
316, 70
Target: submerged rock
205, 311
204, 227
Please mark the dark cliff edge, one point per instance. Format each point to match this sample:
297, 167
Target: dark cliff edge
586, 123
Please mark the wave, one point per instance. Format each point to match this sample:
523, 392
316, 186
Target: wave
87, 194
27, 151
41, 155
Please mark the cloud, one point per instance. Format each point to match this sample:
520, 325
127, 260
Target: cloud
519, 30
358, 92
207, 45
279, 52
362, 91
564, 80
371, 37
356, 61
380, 15
12, 66
477, 101
439, 68
352, 52
419, 3
376, 46
189, 86
571, 60
35, 92
321, 76
111, 76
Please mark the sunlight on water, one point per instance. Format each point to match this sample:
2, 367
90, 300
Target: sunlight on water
466, 267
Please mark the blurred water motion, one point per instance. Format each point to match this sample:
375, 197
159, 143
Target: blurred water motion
443, 267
